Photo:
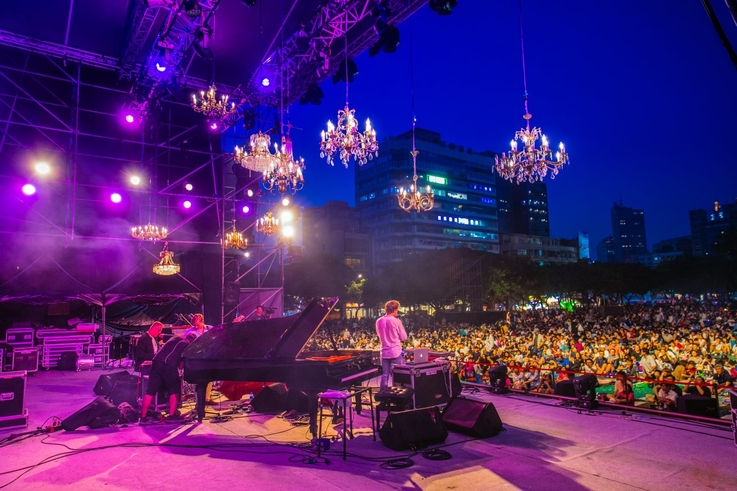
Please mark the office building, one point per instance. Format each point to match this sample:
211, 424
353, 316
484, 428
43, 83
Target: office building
541, 250
605, 250
523, 208
708, 225
628, 231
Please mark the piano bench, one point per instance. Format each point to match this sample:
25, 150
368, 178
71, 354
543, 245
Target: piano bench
392, 399
347, 396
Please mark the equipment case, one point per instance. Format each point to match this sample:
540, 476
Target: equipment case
431, 382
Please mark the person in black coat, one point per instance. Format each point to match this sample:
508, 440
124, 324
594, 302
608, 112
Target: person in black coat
148, 344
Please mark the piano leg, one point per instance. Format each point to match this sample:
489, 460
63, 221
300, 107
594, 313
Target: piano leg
200, 390
312, 409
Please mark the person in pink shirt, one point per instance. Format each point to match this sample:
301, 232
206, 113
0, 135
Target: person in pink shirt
391, 334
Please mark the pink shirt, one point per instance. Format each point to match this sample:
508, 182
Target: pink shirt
391, 334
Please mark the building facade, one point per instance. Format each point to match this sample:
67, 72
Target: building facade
541, 250
605, 250
465, 211
523, 208
708, 225
628, 231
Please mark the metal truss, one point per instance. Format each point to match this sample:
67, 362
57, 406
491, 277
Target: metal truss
141, 22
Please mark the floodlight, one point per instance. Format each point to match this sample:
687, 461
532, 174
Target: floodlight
585, 388
42, 168
498, 380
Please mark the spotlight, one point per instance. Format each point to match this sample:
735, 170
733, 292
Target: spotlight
129, 118
339, 75
187, 204
250, 193
265, 82
28, 189
116, 198
42, 168
246, 209
288, 231
247, 254
443, 7
498, 380
192, 8
585, 388
135, 180
286, 216
285, 202
188, 187
161, 67
313, 95
214, 125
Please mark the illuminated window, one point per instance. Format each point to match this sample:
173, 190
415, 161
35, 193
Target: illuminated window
437, 179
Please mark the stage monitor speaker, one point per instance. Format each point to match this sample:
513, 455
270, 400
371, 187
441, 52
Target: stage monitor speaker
297, 401
416, 428
698, 406
100, 413
105, 383
231, 294
565, 388
67, 361
125, 390
474, 418
271, 399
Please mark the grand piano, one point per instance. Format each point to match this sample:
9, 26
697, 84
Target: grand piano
271, 350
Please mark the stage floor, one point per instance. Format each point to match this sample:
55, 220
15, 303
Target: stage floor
544, 447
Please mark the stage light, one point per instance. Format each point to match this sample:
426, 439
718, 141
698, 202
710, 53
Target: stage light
42, 168
214, 125
192, 8
585, 388
313, 95
129, 118
285, 202
250, 193
288, 231
443, 7
161, 67
116, 198
265, 82
246, 209
187, 204
28, 189
135, 180
286, 216
498, 380
188, 187
247, 254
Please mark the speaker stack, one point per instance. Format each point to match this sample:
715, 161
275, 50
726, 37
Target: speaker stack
417, 428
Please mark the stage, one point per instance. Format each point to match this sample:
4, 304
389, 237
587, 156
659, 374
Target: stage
544, 446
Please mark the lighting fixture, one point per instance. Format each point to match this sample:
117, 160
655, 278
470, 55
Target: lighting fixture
135, 180
234, 239
166, 266
149, 232
42, 168
213, 109
116, 198
192, 8
259, 158
529, 163
284, 172
345, 138
267, 224
29, 189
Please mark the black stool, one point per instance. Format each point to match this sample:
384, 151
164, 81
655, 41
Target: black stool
393, 399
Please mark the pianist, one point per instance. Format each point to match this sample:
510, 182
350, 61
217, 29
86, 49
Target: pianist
391, 334
198, 329
148, 344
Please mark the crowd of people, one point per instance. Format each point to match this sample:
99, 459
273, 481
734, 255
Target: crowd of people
693, 344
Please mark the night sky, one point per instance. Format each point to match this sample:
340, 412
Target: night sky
642, 93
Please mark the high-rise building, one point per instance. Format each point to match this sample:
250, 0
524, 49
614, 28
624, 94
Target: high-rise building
605, 250
708, 225
541, 250
523, 208
465, 211
628, 231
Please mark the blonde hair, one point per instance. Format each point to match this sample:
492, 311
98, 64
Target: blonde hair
202, 317
392, 306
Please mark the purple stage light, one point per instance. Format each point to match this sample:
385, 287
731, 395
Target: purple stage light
29, 189
188, 187
187, 204
214, 125
161, 67
265, 82
116, 198
246, 209
129, 118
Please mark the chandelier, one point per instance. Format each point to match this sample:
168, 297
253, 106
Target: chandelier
347, 140
166, 266
211, 107
267, 224
285, 172
234, 239
412, 198
345, 137
259, 158
530, 163
149, 232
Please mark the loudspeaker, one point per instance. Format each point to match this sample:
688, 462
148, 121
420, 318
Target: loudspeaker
296, 400
231, 294
98, 414
565, 388
125, 390
416, 428
698, 406
474, 418
67, 361
271, 399
105, 383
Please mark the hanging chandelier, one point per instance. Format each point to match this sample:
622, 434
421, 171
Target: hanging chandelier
234, 239
347, 140
259, 158
529, 163
267, 224
149, 232
285, 172
412, 198
166, 266
217, 110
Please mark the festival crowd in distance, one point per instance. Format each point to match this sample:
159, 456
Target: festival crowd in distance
689, 343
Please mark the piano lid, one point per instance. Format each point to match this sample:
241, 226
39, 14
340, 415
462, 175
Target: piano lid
282, 337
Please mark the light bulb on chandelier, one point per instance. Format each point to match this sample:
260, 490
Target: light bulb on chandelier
284, 173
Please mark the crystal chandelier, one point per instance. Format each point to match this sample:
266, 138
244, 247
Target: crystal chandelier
530, 163
259, 158
166, 266
149, 232
412, 198
234, 239
345, 137
211, 107
267, 224
285, 172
